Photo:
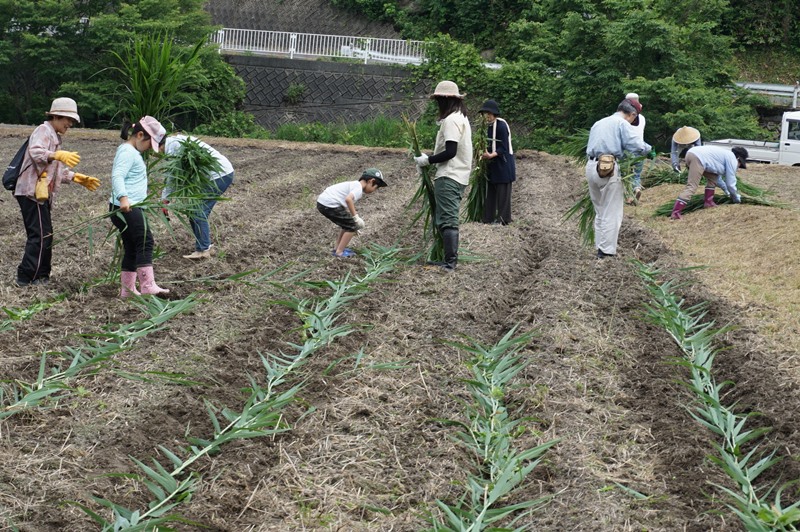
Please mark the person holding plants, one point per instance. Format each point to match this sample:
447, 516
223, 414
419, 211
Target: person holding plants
215, 184
609, 139
710, 162
501, 170
338, 204
128, 189
638, 126
453, 160
44, 167
684, 139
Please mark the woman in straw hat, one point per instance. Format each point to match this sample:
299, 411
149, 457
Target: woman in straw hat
47, 163
453, 160
683, 139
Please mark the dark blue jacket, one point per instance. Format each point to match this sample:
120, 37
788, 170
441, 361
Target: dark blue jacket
502, 169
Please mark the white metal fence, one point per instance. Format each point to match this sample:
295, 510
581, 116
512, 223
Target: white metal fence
309, 45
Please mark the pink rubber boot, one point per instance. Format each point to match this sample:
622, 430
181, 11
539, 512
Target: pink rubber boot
709, 198
676, 209
128, 285
147, 283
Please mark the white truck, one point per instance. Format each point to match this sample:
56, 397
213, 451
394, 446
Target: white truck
786, 151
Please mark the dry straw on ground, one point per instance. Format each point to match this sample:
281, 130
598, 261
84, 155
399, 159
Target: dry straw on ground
369, 455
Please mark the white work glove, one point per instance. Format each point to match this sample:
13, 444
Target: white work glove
422, 160
359, 222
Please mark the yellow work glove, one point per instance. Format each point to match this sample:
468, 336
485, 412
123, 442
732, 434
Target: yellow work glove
87, 181
70, 158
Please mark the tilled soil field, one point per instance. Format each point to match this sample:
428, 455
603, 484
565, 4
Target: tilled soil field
368, 449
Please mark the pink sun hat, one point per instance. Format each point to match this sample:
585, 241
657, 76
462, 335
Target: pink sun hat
154, 129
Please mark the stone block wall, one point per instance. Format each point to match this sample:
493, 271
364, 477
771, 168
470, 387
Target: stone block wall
283, 90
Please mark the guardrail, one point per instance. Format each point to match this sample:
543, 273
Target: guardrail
782, 94
309, 45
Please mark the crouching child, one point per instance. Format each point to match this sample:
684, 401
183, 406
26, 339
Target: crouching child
338, 204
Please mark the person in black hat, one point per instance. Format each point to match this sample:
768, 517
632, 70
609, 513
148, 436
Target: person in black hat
501, 170
710, 162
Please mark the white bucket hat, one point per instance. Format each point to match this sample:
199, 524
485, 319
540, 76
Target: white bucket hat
448, 89
64, 107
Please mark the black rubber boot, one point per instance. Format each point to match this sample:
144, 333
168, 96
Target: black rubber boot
450, 238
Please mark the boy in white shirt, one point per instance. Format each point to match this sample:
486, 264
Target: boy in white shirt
338, 204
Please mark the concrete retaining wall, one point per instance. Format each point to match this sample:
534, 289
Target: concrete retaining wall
328, 91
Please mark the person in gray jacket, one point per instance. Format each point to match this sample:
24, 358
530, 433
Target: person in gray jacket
713, 163
611, 136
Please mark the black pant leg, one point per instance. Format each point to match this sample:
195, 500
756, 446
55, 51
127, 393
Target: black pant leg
137, 240
37, 258
504, 203
490, 204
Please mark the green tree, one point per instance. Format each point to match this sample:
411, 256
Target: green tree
764, 23
52, 48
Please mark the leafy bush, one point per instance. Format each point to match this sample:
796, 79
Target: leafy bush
379, 131
295, 93
235, 124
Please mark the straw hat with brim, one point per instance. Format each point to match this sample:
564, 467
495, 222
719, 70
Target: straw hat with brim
447, 89
686, 135
490, 106
64, 107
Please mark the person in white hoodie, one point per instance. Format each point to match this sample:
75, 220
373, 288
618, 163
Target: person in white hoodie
220, 181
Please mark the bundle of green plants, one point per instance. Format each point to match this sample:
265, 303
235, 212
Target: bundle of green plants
697, 201
473, 209
661, 174
760, 508
187, 180
426, 200
489, 434
584, 210
575, 146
